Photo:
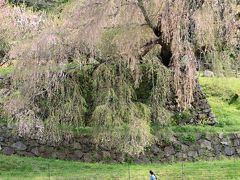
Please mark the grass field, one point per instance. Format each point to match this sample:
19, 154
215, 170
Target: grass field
37, 168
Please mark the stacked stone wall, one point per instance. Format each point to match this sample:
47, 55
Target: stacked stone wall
85, 149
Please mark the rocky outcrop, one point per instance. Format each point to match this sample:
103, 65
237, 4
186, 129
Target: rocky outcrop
84, 148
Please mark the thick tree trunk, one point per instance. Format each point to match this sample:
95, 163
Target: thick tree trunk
200, 105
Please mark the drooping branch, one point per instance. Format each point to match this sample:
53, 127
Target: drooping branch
195, 5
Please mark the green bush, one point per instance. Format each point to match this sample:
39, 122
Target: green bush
183, 117
188, 138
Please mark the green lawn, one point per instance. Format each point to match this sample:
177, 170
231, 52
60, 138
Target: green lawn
37, 168
219, 92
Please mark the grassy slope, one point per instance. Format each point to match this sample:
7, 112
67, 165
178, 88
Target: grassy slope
37, 168
219, 92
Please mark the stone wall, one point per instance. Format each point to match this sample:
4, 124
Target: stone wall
181, 148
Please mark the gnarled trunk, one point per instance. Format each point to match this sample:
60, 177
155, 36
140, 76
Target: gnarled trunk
200, 105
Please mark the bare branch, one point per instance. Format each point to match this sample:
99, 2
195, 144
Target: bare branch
148, 47
4, 60
147, 19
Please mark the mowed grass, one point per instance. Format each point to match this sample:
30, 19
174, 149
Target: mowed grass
13, 167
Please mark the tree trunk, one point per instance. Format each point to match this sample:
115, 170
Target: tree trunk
200, 105
166, 55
